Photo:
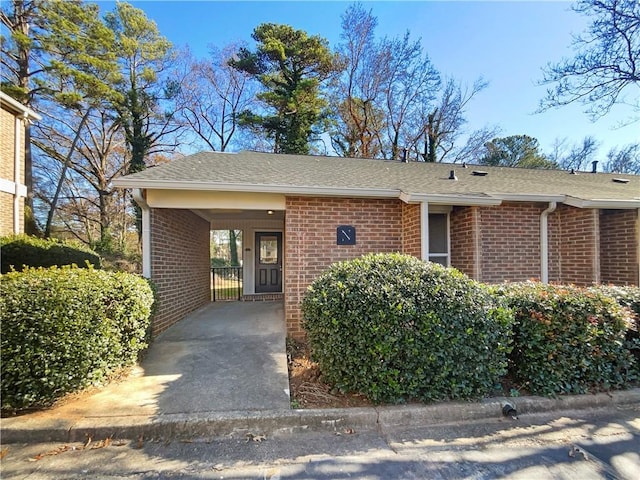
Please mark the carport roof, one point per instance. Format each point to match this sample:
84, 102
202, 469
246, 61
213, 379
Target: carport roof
412, 182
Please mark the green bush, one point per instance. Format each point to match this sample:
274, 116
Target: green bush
22, 250
568, 339
629, 297
395, 328
64, 329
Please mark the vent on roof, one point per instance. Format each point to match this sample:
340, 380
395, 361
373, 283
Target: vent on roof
452, 175
573, 171
479, 173
594, 166
621, 180
464, 164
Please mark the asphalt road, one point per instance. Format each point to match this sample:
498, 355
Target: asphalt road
587, 444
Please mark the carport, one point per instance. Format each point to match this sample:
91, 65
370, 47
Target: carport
176, 228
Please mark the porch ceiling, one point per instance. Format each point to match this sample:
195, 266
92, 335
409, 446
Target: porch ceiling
239, 215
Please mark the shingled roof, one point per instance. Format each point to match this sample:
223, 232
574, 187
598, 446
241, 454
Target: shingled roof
414, 181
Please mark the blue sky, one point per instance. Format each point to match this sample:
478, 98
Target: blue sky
505, 42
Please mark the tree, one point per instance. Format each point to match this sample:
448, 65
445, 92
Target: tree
358, 118
606, 64
100, 157
515, 151
443, 125
291, 66
577, 156
211, 96
80, 74
624, 160
59, 51
411, 83
144, 55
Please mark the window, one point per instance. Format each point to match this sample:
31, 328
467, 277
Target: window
268, 250
439, 238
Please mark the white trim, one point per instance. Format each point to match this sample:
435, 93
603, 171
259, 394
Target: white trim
18, 164
544, 242
138, 196
17, 107
602, 203
7, 186
124, 182
462, 200
424, 230
516, 197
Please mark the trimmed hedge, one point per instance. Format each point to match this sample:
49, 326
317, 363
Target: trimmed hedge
568, 339
22, 250
64, 329
395, 328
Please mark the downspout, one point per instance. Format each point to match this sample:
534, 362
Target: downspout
17, 164
544, 242
138, 196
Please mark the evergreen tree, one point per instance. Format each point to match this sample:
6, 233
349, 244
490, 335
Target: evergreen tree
291, 66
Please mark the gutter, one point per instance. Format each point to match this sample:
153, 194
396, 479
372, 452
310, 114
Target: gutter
452, 199
544, 242
138, 196
124, 182
603, 203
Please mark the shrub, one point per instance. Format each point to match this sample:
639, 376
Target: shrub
23, 250
67, 328
568, 339
629, 297
395, 328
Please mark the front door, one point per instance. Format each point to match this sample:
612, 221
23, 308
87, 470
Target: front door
268, 262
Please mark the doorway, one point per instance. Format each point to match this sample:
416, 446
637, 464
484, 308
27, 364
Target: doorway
268, 278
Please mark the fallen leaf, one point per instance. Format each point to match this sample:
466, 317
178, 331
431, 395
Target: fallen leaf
255, 438
4, 452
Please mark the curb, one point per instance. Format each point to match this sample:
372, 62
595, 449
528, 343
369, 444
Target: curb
219, 424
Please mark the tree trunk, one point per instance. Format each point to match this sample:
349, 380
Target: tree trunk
233, 248
63, 174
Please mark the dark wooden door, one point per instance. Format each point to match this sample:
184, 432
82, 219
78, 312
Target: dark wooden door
268, 262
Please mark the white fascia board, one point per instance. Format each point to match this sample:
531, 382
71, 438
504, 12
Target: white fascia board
603, 203
17, 107
461, 199
231, 187
516, 197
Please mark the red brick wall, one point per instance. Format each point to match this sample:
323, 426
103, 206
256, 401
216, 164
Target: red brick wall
411, 242
179, 264
619, 247
310, 233
574, 250
464, 240
510, 242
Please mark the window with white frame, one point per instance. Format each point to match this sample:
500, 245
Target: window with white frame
439, 238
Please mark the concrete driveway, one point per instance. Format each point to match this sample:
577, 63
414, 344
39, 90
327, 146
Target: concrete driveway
224, 357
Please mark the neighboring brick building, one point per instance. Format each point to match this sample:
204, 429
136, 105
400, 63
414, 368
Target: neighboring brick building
13, 118
299, 214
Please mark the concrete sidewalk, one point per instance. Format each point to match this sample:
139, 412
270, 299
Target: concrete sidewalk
223, 370
223, 357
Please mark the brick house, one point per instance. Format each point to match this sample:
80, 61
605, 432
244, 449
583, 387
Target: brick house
299, 214
13, 119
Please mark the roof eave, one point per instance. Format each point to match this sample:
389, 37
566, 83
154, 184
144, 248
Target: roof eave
18, 108
604, 203
455, 200
124, 182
